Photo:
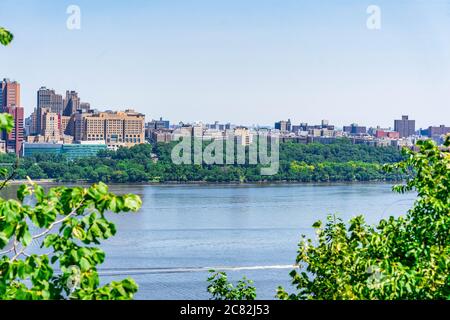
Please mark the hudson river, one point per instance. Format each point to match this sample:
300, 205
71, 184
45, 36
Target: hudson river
250, 230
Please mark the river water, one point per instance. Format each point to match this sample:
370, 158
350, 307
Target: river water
248, 230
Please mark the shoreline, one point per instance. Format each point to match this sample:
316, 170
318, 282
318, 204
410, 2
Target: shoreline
188, 183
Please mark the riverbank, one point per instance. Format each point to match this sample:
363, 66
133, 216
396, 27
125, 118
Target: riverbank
187, 183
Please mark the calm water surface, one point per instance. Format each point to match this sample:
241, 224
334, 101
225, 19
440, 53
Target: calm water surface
183, 230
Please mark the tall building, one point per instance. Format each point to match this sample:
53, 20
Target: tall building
158, 124
51, 126
9, 94
72, 103
197, 130
33, 129
14, 139
10, 103
115, 128
85, 106
284, 126
243, 136
49, 100
76, 126
405, 127
65, 125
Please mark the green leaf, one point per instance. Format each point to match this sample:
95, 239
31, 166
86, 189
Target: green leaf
79, 233
27, 238
4, 240
6, 122
5, 36
133, 202
84, 264
23, 191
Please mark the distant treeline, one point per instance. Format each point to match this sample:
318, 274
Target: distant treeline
340, 161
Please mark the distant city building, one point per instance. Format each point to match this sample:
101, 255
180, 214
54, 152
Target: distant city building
219, 126
115, 128
14, 139
71, 103
76, 125
10, 103
70, 151
65, 125
32, 124
243, 136
161, 136
155, 125
159, 124
182, 131
438, 131
197, 130
324, 132
9, 94
283, 126
85, 107
51, 126
354, 129
405, 127
380, 133
46, 99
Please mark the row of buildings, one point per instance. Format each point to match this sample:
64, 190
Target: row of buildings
58, 122
403, 134
67, 125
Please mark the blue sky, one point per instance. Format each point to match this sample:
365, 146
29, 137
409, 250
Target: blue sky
244, 61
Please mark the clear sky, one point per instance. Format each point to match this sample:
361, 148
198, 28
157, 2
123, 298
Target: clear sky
244, 61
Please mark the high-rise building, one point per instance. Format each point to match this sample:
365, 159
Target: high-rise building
10, 103
284, 126
65, 126
354, 129
405, 127
14, 139
9, 94
115, 128
243, 136
71, 103
158, 124
51, 126
50, 101
76, 126
85, 106
197, 130
33, 129
47, 98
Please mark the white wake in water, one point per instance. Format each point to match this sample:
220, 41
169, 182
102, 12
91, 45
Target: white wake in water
131, 271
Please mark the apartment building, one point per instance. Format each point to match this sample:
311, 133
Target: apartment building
122, 128
10, 103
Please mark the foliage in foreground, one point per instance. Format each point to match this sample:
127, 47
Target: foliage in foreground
221, 289
400, 258
5, 36
67, 224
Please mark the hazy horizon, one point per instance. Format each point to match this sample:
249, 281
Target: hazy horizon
252, 62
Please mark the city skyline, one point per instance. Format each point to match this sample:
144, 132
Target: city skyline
247, 63
69, 93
